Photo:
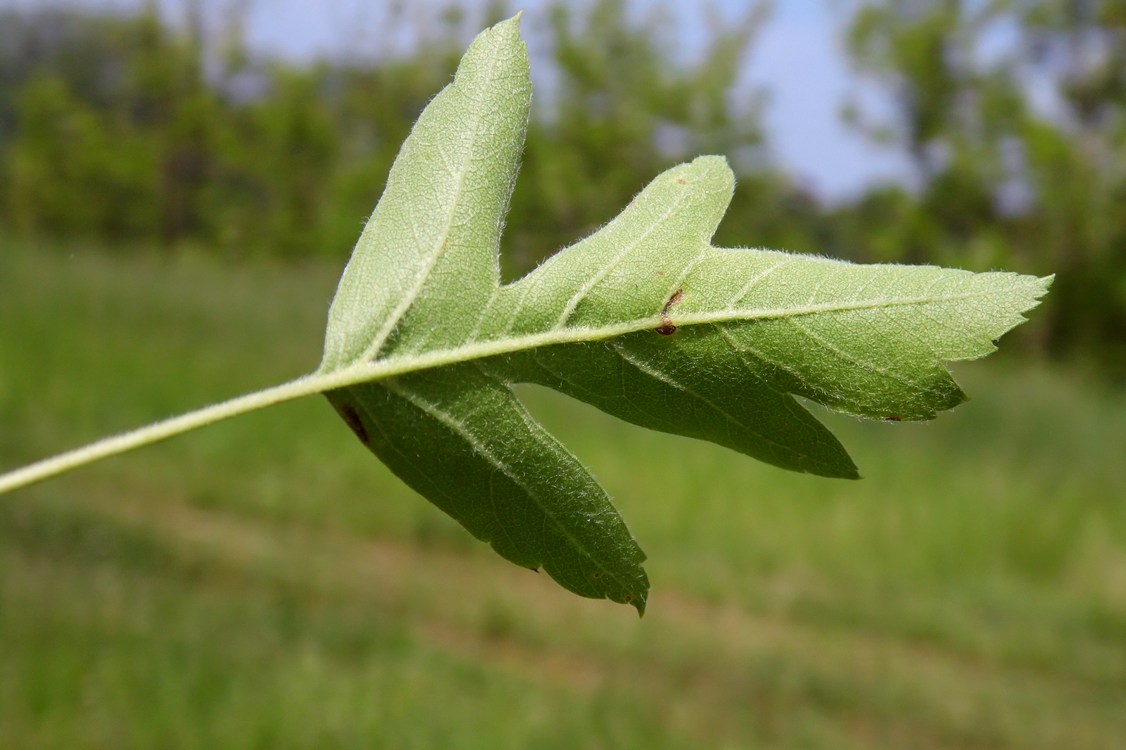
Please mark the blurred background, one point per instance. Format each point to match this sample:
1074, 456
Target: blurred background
180, 185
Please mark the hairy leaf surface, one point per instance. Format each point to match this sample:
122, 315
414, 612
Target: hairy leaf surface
643, 319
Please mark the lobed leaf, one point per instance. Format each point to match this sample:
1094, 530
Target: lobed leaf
643, 319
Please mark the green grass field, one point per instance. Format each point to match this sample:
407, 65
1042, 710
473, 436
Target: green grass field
265, 583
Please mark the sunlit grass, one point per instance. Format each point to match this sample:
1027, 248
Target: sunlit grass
266, 583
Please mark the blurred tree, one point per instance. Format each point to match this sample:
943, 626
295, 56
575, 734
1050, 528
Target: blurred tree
56, 128
110, 132
1075, 160
373, 108
68, 173
279, 163
925, 53
1003, 179
53, 42
167, 101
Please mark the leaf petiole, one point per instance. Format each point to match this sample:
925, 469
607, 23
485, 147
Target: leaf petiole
307, 385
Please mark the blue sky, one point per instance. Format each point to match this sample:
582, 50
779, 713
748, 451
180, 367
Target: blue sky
798, 58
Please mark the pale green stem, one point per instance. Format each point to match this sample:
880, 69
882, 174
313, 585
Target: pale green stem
127, 441
305, 386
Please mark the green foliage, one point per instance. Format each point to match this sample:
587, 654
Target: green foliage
67, 152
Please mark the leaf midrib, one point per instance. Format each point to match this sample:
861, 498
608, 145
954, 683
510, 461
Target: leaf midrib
321, 381
407, 363
657, 374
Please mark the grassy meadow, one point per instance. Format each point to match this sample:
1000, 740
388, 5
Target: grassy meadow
265, 583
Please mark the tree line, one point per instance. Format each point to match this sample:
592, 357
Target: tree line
123, 129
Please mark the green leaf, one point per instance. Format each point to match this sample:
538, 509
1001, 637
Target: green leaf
644, 319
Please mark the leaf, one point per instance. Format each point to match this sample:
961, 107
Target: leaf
643, 319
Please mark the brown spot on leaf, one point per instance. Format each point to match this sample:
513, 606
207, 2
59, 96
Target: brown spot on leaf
597, 574
628, 598
893, 419
667, 328
352, 419
681, 181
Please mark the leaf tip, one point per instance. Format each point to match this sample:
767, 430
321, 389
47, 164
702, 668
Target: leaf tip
637, 602
713, 166
711, 160
499, 41
509, 26
1032, 290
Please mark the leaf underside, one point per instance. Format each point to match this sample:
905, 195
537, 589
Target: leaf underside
643, 319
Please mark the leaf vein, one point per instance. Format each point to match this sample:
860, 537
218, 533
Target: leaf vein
663, 377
